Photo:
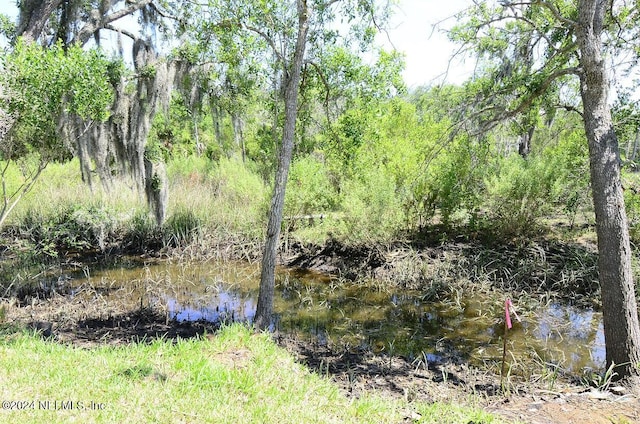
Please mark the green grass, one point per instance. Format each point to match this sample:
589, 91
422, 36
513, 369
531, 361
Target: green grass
216, 199
235, 376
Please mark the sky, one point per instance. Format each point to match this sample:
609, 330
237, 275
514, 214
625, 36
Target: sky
426, 47
411, 30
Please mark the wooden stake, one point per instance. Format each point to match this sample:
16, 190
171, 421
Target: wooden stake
504, 352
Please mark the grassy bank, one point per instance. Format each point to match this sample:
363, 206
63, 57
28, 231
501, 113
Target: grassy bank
209, 202
232, 376
226, 200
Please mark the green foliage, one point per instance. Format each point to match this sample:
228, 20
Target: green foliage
569, 160
172, 133
350, 132
522, 191
7, 26
73, 228
309, 189
518, 77
182, 227
372, 210
355, 81
452, 183
189, 167
237, 183
42, 84
42, 88
231, 197
142, 232
518, 195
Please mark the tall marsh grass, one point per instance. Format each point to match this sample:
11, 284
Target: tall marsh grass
215, 198
225, 196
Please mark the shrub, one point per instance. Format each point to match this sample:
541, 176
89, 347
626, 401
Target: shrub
518, 194
72, 227
182, 227
309, 189
371, 207
227, 195
236, 182
143, 232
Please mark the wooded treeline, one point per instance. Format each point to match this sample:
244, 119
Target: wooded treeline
297, 93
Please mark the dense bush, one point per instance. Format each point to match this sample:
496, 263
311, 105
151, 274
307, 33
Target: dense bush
73, 228
371, 207
309, 190
379, 169
518, 195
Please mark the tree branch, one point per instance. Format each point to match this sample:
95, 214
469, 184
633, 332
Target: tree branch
550, 7
129, 34
163, 13
97, 22
500, 113
33, 19
542, 88
269, 41
326, 86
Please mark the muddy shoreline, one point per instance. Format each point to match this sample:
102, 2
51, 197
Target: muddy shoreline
66, 320
567, 271
87, 322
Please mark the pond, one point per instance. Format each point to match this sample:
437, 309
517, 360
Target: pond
465, 326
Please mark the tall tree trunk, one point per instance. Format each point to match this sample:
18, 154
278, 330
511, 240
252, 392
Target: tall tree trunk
636, 141
238, 137
620, 314
524, 146
264, 309
216, 116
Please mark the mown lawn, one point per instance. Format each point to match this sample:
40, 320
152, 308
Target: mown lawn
234, 376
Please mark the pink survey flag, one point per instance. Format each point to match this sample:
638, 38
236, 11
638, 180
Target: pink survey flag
508, 308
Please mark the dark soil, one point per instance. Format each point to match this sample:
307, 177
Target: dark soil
351, 262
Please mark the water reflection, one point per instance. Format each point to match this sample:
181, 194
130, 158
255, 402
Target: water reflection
368, 316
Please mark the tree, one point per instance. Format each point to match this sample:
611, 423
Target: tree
569, 38
71, 22
288, 38
620, 313
292, 60
121, 140
39, 87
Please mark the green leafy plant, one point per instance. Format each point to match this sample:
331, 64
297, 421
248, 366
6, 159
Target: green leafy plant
518, 195
182, 227
42, 86
602, 382
309, 190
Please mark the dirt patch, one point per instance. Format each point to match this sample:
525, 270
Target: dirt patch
569, 408
451, 381
236, 359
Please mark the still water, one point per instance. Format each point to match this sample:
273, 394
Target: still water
371, 316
